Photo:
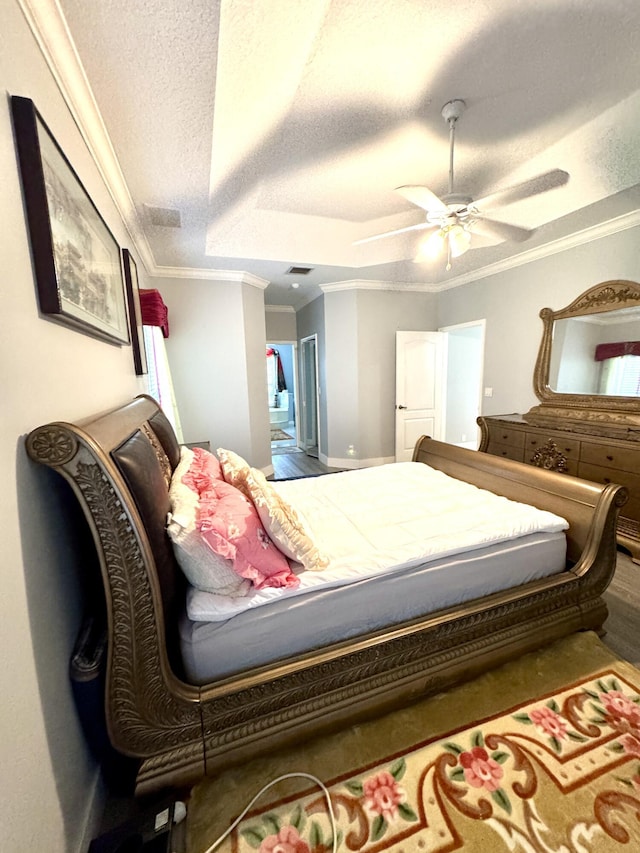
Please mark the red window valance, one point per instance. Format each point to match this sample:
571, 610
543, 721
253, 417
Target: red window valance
616, 349
154, 311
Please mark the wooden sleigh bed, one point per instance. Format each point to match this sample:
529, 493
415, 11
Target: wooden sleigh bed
116, 464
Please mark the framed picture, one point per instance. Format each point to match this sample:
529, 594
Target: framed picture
135, 314
76, 258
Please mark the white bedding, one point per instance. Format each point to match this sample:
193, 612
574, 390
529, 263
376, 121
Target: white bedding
381, 520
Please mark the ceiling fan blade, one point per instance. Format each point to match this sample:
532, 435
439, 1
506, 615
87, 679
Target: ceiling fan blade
417, 227
422, 197
540, 184
499, 230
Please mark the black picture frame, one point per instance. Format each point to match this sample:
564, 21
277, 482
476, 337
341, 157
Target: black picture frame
75, 256
132, 287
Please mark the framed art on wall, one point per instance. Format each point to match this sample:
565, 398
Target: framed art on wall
76, 258
135, 314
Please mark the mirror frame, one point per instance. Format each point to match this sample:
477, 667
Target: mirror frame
585, 409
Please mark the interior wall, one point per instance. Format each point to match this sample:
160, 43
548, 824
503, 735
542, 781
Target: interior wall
47, 372
360, 328
511, 302
311, 321
216, 352
380, 314
281, 323
343, 439
255, 345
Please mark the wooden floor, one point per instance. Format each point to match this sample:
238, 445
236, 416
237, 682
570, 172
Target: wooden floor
295, 463
623, 600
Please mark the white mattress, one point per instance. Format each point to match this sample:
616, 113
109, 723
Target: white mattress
213, 650
385, 519
403, 540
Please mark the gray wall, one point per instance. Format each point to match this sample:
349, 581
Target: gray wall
281, 325
360, 329
380, 315
47, 372
310, 321
217, 355
511, 302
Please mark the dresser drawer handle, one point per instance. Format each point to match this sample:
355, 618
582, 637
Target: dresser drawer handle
610, 458
606, 480
504, 437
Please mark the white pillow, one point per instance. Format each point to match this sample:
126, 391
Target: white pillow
281, 521
235, 469
203, 568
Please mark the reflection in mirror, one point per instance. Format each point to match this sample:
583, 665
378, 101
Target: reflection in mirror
597, 354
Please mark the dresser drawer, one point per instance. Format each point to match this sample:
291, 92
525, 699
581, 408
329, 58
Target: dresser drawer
622, 458
496, 448
569, 447
506, 435
599, 474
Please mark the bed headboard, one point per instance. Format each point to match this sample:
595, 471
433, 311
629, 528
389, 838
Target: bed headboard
119, 465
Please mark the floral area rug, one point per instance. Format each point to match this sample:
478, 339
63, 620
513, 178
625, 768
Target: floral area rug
540, 755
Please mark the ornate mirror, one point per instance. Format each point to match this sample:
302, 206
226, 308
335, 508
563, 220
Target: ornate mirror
588, 367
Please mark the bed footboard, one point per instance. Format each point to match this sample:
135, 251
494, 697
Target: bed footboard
118, 465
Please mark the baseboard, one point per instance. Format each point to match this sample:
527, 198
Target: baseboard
350, 463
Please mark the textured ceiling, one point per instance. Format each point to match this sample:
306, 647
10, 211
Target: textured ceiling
278, 129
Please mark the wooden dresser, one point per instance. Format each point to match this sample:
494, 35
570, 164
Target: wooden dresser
598, 458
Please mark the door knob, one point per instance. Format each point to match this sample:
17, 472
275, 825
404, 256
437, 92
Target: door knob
402, 407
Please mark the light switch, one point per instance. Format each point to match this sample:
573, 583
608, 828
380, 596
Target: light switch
488, 392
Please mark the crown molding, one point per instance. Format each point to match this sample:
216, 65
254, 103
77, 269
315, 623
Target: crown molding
279, 309
50, 30
572, 241
363, 284
235, 276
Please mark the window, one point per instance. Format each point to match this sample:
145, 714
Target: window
160, 385
621, 376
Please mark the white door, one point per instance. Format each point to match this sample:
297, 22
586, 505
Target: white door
420, 368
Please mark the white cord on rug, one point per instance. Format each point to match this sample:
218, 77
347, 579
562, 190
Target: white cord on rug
327, 796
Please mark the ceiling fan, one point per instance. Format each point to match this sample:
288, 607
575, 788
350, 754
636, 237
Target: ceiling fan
456, 216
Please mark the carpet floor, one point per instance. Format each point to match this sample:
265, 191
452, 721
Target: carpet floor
541, 754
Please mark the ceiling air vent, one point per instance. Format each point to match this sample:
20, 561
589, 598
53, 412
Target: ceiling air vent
165, 217
299, 270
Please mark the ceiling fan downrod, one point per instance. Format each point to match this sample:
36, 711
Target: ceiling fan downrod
451, 112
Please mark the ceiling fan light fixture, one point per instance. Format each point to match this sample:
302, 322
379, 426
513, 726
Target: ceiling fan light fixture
431, 247
459, 240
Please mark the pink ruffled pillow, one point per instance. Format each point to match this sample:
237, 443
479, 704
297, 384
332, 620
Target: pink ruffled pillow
229, 524
203, 469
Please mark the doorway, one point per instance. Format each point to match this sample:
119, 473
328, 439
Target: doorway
281, 391
464, 378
